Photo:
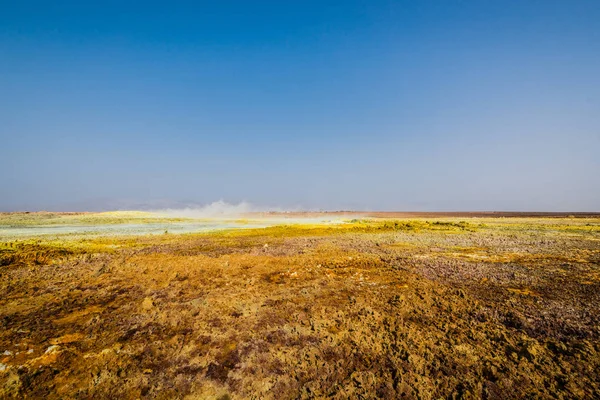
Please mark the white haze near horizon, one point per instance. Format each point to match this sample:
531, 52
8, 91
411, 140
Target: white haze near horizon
217, 209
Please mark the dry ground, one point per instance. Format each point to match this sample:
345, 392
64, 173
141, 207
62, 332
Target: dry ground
493, 308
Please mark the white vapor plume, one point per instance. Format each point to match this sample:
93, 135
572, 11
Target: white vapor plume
217, 209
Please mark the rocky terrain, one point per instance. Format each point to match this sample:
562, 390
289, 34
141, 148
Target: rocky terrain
494, 308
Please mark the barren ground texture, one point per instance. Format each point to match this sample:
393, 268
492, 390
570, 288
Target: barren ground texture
419, 308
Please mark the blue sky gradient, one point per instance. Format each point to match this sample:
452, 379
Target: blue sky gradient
374, 105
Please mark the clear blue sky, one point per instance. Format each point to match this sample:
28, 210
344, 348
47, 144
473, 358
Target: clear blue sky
397, 105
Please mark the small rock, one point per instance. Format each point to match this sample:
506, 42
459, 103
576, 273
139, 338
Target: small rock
531, 350
558, 347
147, 304
7, 353
53, 349
2, 367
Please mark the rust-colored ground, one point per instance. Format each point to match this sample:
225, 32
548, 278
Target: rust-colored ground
473, 308
434, 214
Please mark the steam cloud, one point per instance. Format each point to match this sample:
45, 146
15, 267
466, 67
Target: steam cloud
217, 209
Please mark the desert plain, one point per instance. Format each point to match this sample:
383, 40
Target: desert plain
298, 306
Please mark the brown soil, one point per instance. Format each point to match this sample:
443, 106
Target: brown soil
462, 311
430, 214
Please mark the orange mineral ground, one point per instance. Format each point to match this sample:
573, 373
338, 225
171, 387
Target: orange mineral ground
319, 305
